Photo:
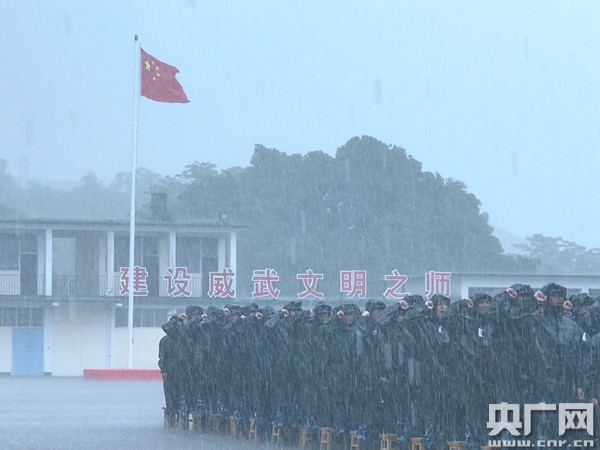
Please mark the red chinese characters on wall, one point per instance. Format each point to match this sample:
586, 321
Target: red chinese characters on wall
393, 292
437, 283
263, 283
353, 282
178, 281
140, 288
221, 283
309, 280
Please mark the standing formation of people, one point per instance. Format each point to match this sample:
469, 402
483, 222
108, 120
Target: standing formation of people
419, 367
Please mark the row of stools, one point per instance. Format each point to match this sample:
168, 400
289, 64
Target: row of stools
191, 421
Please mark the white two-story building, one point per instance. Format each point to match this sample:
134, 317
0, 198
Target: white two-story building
63, 289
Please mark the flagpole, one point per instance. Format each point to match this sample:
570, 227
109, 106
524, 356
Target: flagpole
136, 103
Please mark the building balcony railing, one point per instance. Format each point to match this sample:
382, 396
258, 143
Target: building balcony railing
15, 284
76, 286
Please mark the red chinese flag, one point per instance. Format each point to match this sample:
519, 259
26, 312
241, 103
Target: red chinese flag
159, 82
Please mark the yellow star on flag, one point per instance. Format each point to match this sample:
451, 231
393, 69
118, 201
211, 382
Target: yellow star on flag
159, 82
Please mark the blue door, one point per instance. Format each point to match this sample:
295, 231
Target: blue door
27, 351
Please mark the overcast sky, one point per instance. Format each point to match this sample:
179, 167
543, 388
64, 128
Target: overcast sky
501, 95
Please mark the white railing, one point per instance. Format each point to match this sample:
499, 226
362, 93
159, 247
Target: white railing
10, 283
84, 286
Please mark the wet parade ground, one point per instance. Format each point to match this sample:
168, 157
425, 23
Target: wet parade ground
45, 413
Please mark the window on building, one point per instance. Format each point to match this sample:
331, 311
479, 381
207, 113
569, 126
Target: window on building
146, 248
11, 245
193, 252
142, 317
28, 243
9, 251
37, 317
21, 317
210, 248
189, 253
121, 252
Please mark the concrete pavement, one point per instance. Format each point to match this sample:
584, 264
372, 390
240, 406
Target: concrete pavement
45, 413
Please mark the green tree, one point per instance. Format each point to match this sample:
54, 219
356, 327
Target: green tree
559, 256
370, 207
